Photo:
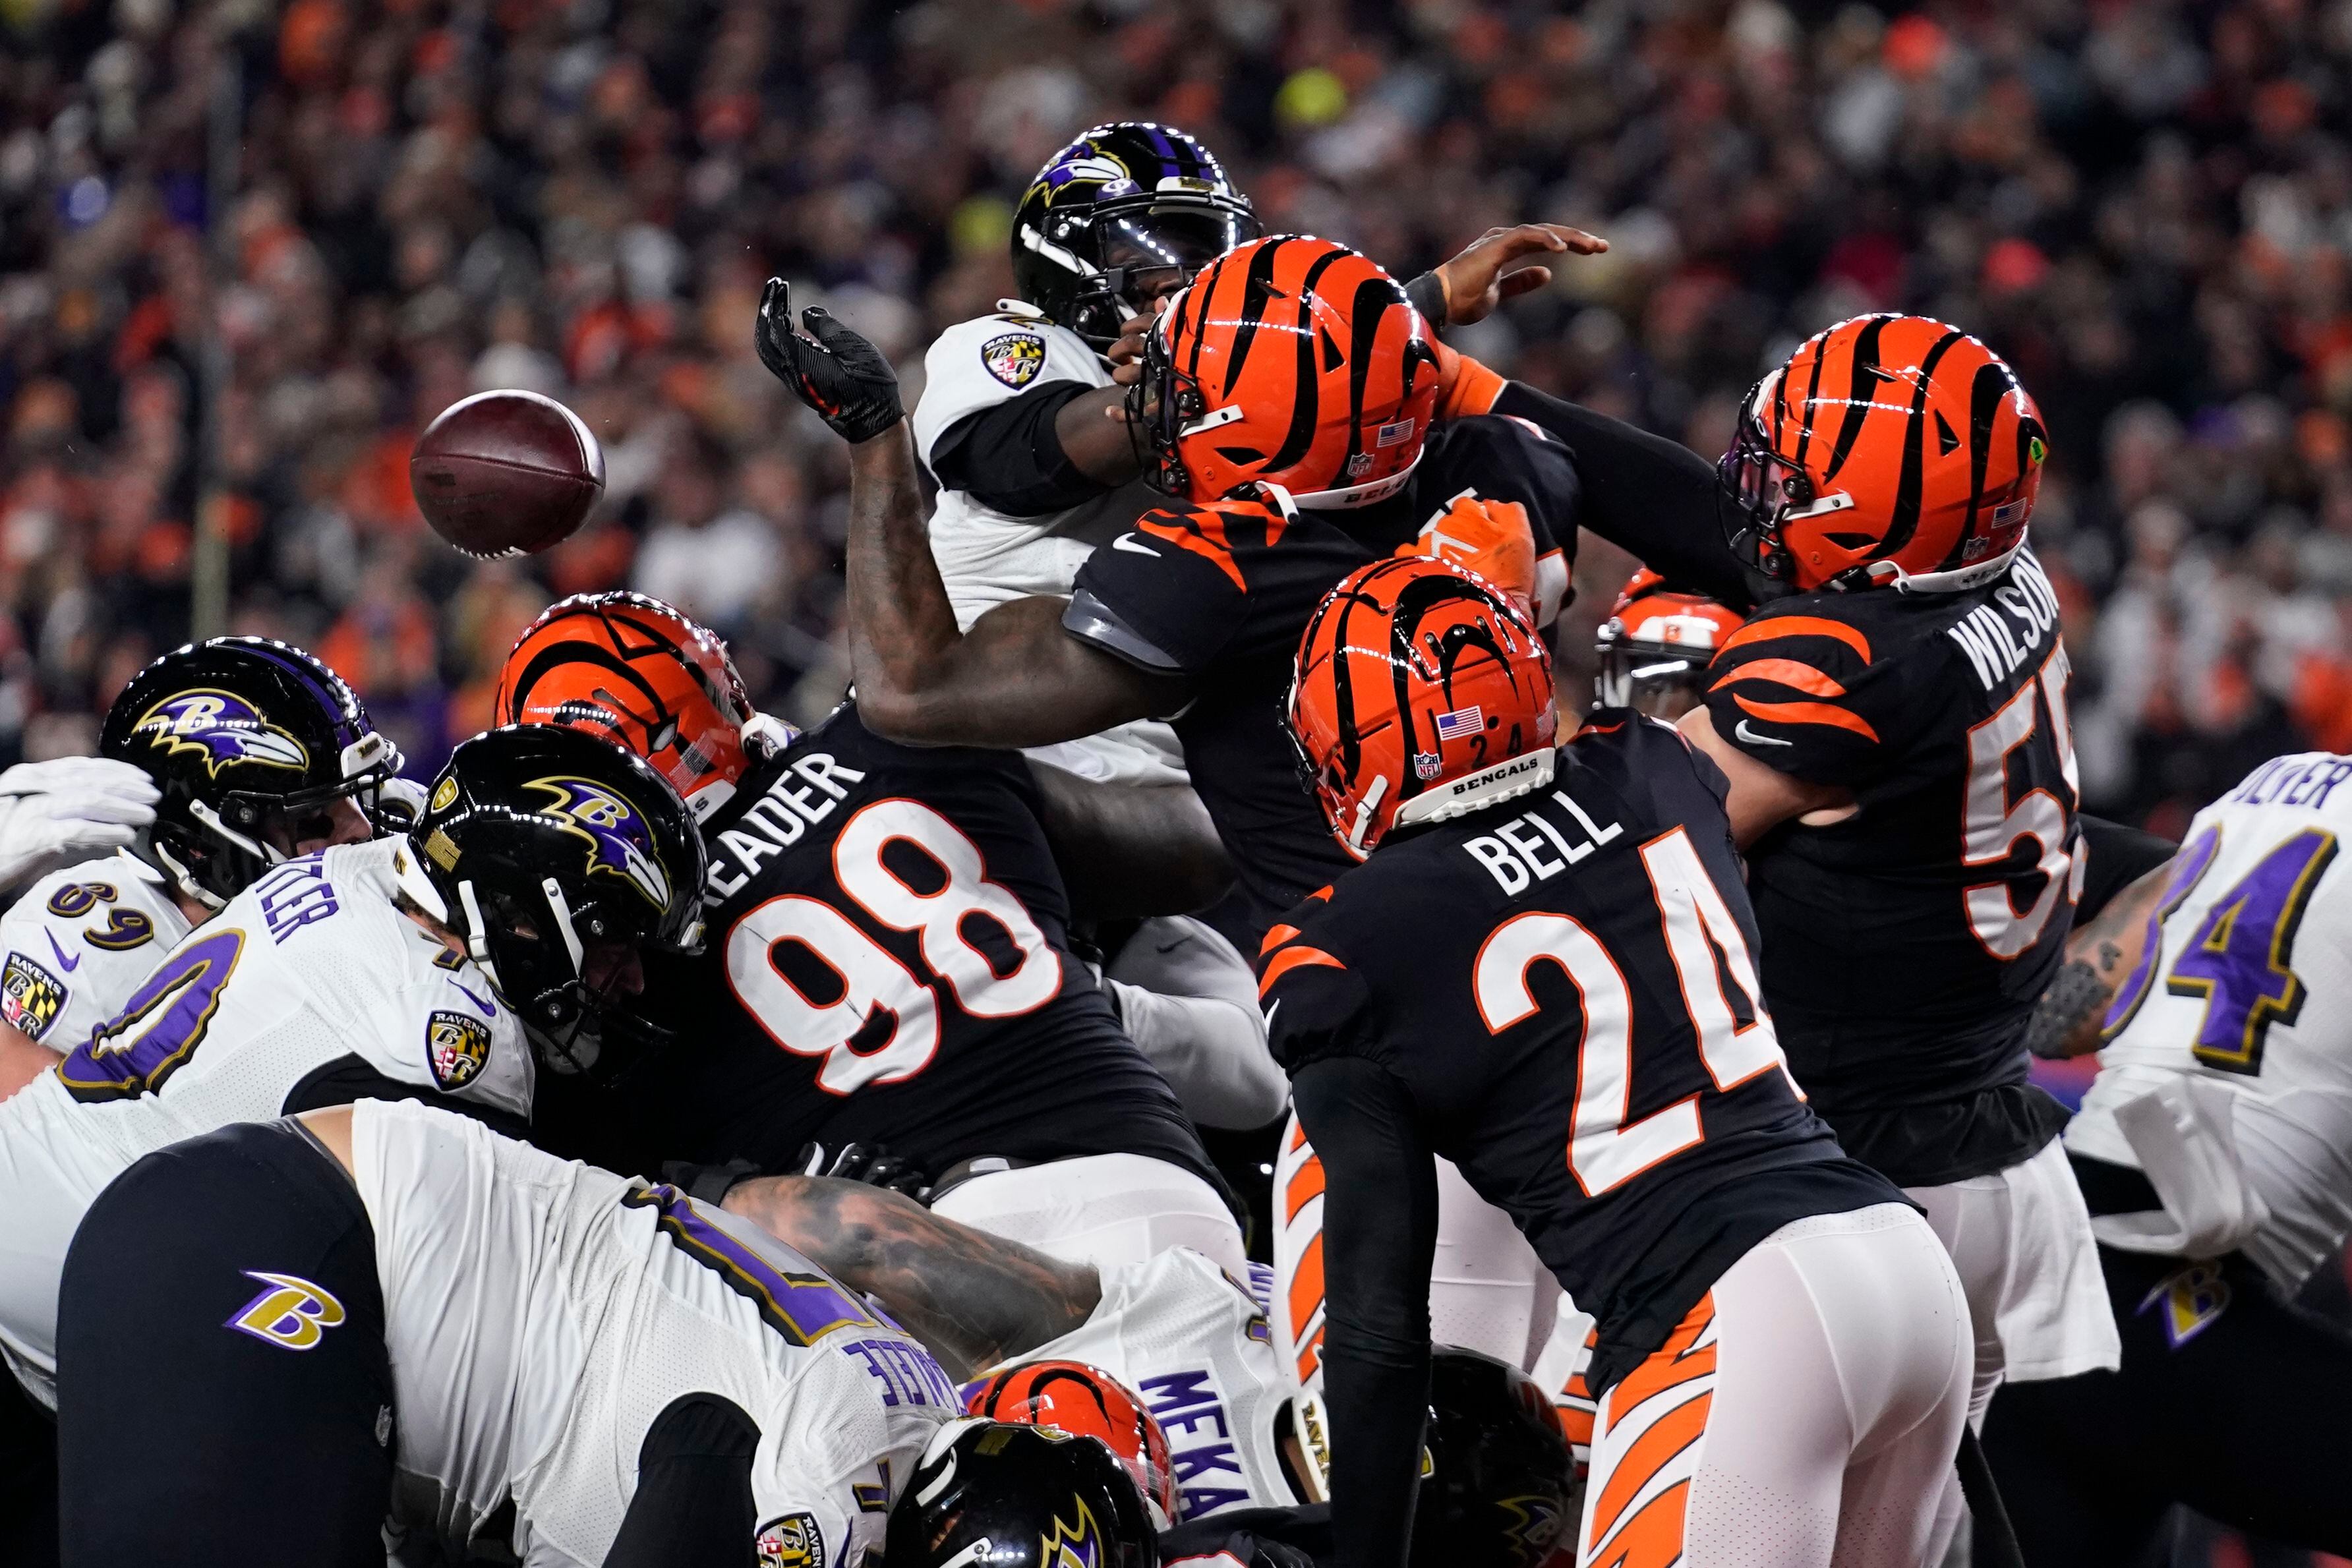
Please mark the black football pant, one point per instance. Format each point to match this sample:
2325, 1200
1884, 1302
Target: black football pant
2229, 1400
29, 1479
226, 1401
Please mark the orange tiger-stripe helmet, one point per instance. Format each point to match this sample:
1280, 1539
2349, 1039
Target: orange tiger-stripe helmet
633, 671
1071, 1396
1422, 692
1889, 451
1292, 361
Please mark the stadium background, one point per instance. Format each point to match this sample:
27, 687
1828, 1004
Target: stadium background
247, 250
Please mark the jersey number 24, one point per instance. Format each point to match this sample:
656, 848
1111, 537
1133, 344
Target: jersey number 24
1606, 1148
870, 1018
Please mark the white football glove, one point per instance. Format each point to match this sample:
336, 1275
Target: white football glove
54, 813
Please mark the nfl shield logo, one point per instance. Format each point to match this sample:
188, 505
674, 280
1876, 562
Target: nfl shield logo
1426, 765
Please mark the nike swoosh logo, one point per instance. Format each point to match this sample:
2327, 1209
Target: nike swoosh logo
1130, 542
1270, 1012
68, 965
1752, 738
489, 1008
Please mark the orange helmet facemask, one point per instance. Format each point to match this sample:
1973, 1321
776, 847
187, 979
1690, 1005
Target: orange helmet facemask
1290, 361
1889, 451
1422, 693
637, 673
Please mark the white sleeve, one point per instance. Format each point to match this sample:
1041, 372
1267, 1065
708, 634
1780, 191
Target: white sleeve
62, 975
829, 1464
1190, 1001
978, 363
450, 1033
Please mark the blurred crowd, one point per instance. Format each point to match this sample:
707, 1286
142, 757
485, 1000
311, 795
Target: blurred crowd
247, 250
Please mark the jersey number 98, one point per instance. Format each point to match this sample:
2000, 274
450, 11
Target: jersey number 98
881, 1022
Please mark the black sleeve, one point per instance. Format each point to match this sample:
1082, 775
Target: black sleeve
1645, 494
1008, 456
1380, 1235
2120, 856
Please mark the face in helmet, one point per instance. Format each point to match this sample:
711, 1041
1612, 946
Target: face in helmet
1028, 1497
1119, 218
1890, 451
1421, 693
559, 859
633, 671
1086, 1402
1656, 646
261, 752
1292, 361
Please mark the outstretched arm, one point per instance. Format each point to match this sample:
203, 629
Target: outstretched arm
975, 1299
1016, 678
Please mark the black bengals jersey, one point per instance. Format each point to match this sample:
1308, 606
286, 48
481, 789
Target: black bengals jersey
1905, 946
886, 961
1557, 994
1222, 594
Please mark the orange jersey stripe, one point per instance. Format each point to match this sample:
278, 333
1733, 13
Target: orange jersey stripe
1797, 626
1298, 1135
1808, 713
1787, 672
1306, 1285
1675, 1363
1306, 1186
1207, 540
1653, 1537
1639, 1465
1275, 935
1291, 958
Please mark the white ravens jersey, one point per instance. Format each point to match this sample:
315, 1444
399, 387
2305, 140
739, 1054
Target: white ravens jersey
540, 1315
1195, 1346
307, 988
75, 947
2251, 989
987, 558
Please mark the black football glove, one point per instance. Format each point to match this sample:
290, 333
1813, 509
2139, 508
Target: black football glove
830, 368
869, 1162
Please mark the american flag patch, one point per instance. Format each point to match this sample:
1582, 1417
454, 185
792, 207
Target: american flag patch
1461, 724
2013, 513
1391, 433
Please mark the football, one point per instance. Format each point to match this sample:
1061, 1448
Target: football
506, 473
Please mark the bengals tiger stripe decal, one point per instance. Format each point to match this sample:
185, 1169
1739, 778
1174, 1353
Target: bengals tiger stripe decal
1926, 434
1784, 668
1647, 1450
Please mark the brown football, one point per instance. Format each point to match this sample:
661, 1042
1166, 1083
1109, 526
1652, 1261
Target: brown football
506, 473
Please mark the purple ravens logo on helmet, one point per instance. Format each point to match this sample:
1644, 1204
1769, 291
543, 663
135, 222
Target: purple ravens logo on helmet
1084, 163
1073, 1542
620, 842
225, 727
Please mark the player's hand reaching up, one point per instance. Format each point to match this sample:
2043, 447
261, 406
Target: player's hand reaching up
1474, 282
869, 1162
1493, 539
830, 368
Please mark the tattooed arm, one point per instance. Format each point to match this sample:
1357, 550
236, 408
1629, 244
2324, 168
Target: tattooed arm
974, 1299
2099, 954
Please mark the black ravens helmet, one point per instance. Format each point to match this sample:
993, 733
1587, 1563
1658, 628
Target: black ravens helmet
1498, 1486
559, 858
251, 743
1121, 203
1019, 1496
